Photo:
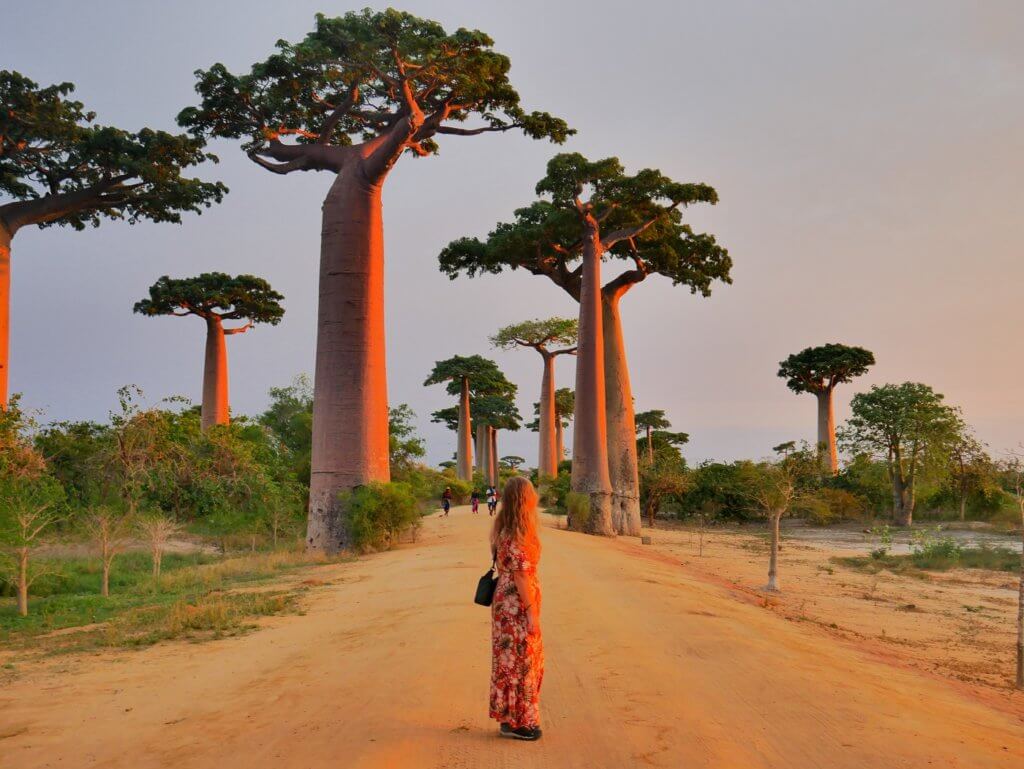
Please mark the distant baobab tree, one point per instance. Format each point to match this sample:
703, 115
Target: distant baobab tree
590, 211
649, 421
818, 370
359, 92
59, 168
466, 377
540, 335
215, 298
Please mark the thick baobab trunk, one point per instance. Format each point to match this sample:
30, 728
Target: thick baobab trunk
559, 440
464, 454
590, 436
350, 400
5, 313
492, 456
621, 424
773, 558
547, 455
23, 581
215, 376
483, 446
902, 499
827, 431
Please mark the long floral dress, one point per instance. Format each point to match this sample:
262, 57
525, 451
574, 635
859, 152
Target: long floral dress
517, 663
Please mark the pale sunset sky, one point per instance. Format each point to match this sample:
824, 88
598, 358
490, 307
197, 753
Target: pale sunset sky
869, 156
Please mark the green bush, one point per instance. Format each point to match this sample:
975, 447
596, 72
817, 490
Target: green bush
553, 492
931, 550
377, 514
578, 506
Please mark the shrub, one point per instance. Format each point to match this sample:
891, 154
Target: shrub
553, 493
378, 514
578, 506
930, 550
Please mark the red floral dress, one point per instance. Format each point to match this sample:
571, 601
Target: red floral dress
517, 663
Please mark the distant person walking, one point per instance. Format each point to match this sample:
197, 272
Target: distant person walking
517, 661
446, 500
475, 501
492, 500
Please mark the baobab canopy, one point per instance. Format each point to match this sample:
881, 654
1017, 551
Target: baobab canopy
244, 297
363, 77
815, 369
544, 236
62, 169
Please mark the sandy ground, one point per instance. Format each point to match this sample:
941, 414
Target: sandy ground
959, 624
650, 663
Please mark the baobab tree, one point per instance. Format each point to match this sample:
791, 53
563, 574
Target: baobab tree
359, 92
906, 425
818, 370
540, 335
215, 298
58, 168
467, 375
649, 421
588, 212
565, 406
494, 411
770, 490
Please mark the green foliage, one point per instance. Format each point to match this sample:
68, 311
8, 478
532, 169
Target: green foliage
358, 77
578, 507
544, 238
485, 378
667, 476
377, 514
554, 492
819, 369
61, 169
537, 333
929, 548
883, 535
214, 295
990, 558
512, 462
405, 445
651, 420
721, 483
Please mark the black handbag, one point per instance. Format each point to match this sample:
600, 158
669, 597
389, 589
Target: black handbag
485, 587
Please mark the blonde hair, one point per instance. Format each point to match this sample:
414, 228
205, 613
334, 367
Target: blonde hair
517, 516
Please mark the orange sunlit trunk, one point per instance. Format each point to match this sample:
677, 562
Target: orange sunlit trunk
215, 376
5, 314
621, 423
350, 401
547, 456
464, 455
590, 438
827, 431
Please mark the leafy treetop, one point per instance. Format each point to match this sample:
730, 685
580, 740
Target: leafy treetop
60, 168
366, 86
639, 217
539, 334
652, 420
483, 374
565, 405
819, 369
215, 295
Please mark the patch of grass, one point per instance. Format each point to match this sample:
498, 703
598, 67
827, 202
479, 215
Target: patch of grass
990, 558
74, 600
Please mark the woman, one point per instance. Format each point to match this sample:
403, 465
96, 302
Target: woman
517, 663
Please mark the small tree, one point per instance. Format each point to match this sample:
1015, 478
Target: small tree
215, 297
405, 445
770, 489
970, 469
662, 476
648, 422
158, 530
108, 528
28, 509
818, 370
513, 462
907, 425
58, 168
540, 335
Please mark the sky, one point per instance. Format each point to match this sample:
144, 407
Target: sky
868, 155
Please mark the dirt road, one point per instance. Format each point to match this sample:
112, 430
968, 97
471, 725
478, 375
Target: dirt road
647, 665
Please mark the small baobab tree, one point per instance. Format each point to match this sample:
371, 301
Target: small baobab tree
589, 212
540, 335
215, 298
648, 422
908, 426
108, 528
495, 411
513, 462
818, 370
59, 168
157, 530
355, 95
465, 376
770, 489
